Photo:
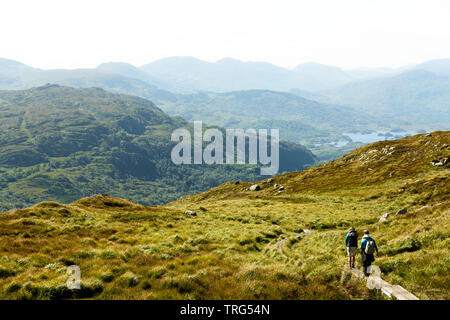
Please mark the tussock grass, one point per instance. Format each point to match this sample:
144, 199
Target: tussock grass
229, 250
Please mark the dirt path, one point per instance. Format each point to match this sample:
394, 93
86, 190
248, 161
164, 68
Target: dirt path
279, 244
388, 289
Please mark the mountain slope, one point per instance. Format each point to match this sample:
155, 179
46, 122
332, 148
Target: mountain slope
416, 96
188, 73
13, 68
299, 120
246, 244
389, 161
355, 190
130, 71
440, 67
60, 143
315, 76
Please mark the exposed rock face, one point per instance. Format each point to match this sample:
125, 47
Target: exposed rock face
402, 211
190, 212
254, 187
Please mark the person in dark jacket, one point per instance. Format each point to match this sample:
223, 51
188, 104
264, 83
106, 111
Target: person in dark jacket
368, 247
351, 241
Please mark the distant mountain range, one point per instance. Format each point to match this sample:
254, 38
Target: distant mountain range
324, 101
228, 74
417, 96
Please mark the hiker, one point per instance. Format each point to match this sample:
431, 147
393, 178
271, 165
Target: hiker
368, 248
351, 241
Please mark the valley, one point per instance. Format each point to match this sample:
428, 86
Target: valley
314, 104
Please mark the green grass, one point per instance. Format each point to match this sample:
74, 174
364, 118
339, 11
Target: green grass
229, 251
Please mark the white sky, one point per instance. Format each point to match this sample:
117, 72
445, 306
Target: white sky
346, 33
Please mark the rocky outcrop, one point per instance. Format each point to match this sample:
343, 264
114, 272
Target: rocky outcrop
384, 217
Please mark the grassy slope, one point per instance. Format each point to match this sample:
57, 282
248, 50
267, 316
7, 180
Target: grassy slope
61, 144
229, 250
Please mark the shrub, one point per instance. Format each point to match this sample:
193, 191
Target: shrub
260, 239
107, 277
67, 262
107, 255
157, 273
146, 285
408, 245
13, 287
391, 265
245, 241
5, 273
87, 290
128, 279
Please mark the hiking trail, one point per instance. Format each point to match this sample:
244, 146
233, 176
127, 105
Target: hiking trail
386, 288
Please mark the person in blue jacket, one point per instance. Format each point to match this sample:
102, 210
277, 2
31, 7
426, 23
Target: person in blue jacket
368, 248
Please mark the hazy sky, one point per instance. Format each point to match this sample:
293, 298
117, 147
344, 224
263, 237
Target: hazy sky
346, 33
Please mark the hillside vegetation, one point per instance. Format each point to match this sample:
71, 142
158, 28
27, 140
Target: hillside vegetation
242, 244
61, 143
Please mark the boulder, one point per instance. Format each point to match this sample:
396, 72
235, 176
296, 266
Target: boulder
437, 163
237, 182
254, 187
270, 180
402, 211
281, 188
190, 212
275, 186
384, 217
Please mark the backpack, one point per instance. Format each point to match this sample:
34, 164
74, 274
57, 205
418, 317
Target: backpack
370, 246
353, 239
